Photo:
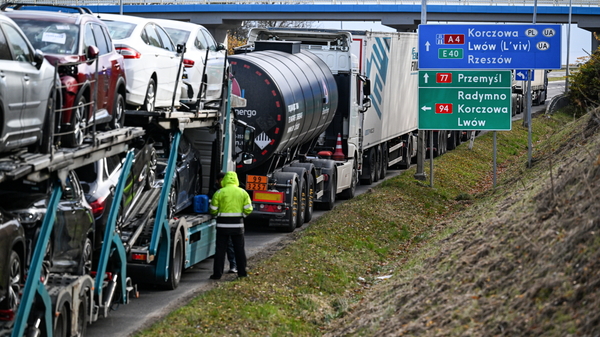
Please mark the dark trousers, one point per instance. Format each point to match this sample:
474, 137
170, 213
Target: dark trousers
237, 238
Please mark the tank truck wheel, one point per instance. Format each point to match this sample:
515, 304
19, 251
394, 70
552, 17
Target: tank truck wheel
310, 203
293, 216
302, 202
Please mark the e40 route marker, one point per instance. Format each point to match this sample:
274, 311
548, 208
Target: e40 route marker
465, 100
532, 46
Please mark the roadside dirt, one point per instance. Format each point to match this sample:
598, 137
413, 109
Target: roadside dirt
525, 263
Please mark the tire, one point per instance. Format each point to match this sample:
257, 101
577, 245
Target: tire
292, 217
172, 202
85, 265
82, 314
377, 166
328, 205
150, 100
151, 170
370, 165
406, 154
49, 126
310, 195
47, 261
61, 327
384, 162
176, 263
15, 278
302, 201
79, 126
350, 192
118, 113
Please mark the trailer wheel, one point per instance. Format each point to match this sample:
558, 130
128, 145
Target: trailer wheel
310, 195
384, 162
82, 313
176, 264
370, 168
293, 211
61, 327
302, 201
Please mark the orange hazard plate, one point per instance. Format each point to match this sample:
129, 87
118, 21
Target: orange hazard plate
256, 183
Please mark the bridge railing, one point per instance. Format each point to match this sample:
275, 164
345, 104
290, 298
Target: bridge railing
554, 3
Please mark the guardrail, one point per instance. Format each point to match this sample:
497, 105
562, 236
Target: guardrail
545, 3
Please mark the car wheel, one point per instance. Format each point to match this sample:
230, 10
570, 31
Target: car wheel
151, 170
78, 124
48, 128
85, 265
118, 114
172, 202
15, 274
150, 100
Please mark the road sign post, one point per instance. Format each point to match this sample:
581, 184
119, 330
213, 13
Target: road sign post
465, 100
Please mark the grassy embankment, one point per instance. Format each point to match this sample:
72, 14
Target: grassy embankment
328, 267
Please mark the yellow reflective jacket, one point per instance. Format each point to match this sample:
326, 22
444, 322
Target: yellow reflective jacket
230, 203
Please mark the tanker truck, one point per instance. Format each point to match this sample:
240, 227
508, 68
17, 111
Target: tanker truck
309, 101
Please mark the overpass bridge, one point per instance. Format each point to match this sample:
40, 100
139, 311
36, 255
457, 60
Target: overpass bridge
402, 15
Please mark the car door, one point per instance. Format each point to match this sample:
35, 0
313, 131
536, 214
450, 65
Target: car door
74, 220
36, 85
215, 67
89, 39
11, 88
171, 62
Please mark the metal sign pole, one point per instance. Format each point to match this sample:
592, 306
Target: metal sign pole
495, 172
431, 158
420, 173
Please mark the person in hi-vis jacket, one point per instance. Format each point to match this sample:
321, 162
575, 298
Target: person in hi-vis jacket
230, 204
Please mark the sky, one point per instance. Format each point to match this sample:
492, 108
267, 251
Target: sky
580, 41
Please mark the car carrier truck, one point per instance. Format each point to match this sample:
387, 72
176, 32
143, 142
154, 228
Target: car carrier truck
330, 109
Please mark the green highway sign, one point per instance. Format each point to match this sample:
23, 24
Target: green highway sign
465, 100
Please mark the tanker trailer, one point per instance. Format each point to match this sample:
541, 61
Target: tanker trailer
291, 99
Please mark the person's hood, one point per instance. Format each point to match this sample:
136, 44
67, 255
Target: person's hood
230, 179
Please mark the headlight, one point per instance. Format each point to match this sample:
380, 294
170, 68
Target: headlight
30, 217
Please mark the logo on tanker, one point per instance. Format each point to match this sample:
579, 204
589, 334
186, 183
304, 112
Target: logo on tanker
378, 62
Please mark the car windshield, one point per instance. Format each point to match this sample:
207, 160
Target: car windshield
119, 30
178, 36
51, 37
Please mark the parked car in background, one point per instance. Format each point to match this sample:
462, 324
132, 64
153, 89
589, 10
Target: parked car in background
204, 63
91, 71
151, 60
13, 260
188, 173
70, 247
99, 180
28, 87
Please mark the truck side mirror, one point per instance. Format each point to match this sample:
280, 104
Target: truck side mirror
367, 87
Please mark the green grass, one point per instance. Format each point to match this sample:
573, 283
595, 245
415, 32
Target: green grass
330, 265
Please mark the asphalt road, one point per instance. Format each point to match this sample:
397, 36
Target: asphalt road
154, 304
